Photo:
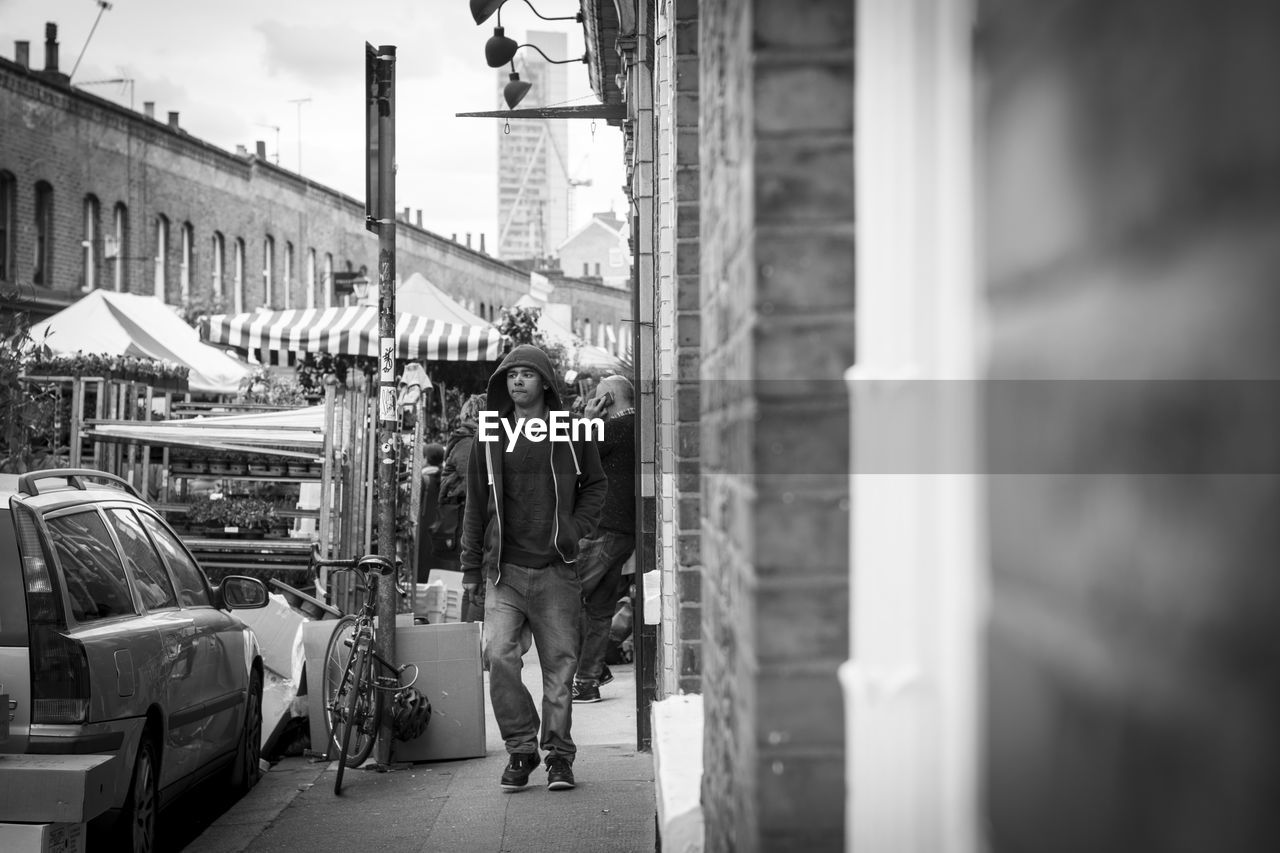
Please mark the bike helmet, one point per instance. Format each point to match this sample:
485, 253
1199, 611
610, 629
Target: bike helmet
410, 713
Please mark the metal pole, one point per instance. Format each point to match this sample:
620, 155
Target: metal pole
388, 427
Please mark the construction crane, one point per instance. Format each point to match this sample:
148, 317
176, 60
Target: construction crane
545, 139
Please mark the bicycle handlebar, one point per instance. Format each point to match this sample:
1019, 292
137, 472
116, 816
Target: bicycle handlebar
369, 563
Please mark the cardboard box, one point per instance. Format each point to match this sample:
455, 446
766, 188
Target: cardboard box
315, 642
42, 837
449, 675
276, 627
55, 788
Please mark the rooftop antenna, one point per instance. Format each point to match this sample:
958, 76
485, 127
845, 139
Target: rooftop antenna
103, 6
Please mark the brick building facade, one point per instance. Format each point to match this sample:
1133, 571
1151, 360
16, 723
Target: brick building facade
168, 214
1073, 655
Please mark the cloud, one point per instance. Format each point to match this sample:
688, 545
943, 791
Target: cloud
313, 54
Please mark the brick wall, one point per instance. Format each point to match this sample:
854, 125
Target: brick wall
776, 303
1132, 163
85, 145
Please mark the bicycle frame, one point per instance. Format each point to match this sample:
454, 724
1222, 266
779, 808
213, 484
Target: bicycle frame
354, 703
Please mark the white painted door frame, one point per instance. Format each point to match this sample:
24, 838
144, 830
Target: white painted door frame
916, 572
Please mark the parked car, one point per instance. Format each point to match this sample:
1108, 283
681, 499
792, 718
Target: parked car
113, 641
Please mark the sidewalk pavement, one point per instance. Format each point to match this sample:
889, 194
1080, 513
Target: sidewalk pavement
457, 806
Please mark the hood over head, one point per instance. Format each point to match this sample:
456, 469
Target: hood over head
524, 355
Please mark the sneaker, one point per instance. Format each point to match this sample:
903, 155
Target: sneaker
516, 776
605, 676
585, 691
559, 773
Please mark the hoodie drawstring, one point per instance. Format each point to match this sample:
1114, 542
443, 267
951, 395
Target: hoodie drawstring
577, 469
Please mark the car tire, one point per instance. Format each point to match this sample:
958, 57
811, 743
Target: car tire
247, 770
140, 818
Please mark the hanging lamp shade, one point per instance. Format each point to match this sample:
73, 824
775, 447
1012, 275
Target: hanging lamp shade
499, 49
514, 92
482, 10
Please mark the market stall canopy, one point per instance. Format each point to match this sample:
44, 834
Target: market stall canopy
109, 323
416, 295
354, 331
554, 330
295, 432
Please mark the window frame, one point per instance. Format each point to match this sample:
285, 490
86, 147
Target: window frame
8, 224
69, 608
161, 235
42, 268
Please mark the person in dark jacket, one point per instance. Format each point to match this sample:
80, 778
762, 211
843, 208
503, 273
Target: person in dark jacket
434, 457
603, 554
533, 492
447, 534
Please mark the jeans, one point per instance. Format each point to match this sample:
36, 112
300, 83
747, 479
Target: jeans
546, 602
600, 561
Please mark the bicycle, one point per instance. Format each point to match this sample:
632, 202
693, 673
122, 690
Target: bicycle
353, 695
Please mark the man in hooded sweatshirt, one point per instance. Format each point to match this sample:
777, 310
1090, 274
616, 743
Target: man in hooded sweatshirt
530, 499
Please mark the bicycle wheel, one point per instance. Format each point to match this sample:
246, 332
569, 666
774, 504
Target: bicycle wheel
335, 678
353, 705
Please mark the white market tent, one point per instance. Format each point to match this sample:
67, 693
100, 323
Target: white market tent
587, 355
109, 323
296, 432
416, 295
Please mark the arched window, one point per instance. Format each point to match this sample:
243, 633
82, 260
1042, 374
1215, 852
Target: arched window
328, 280
162, 255
187, 260
268, 264
91, 244
8, 226
116, 247
218, 266
288, 274
237, 272
311, 278
42, 267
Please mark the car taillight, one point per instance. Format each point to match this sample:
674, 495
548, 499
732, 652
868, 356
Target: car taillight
59, 664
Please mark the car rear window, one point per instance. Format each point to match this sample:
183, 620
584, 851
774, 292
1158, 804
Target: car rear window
91, 568
13, 600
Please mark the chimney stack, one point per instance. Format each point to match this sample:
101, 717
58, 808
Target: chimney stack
51, 46
22, 53
173, 119
454, 238
482, 243
241, 151
406, 215
468, 239
149, 109
262, 150
419, 217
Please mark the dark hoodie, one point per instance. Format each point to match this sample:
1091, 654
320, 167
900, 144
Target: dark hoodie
579, 481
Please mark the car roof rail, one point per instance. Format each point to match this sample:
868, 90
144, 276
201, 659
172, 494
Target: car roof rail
75, 477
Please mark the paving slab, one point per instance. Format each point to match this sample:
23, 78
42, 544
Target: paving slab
458, 805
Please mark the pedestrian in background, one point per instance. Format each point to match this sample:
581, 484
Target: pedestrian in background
434, 456
528, 504
447, 534
602, 554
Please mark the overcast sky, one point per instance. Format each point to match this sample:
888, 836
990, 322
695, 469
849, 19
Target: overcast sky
231, 67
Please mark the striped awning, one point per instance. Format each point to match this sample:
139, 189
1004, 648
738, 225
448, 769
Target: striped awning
353, 331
